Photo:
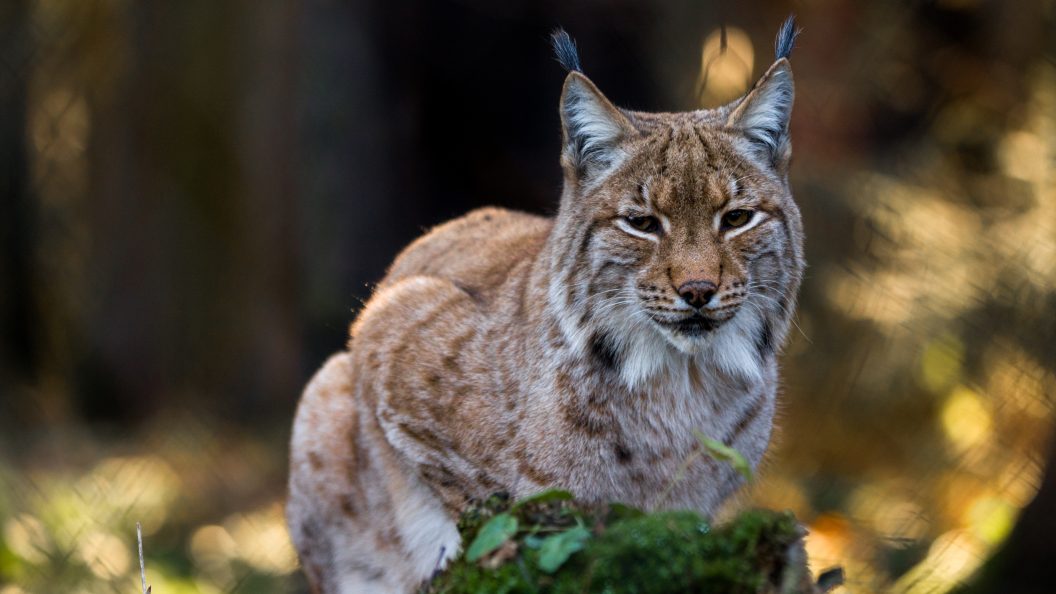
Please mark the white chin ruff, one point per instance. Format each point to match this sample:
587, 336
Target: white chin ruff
649, 353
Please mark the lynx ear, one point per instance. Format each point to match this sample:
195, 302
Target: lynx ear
593, 127
763, 114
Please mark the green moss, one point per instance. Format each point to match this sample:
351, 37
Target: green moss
630, 552
678, 552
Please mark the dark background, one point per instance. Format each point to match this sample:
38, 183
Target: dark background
195, 197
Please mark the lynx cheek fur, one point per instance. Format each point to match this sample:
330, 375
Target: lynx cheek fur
509, 352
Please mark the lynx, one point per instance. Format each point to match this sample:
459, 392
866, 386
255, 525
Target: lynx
510, 352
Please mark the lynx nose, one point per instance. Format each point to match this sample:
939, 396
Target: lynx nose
697, 292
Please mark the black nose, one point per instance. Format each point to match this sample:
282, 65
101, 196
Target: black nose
696, 292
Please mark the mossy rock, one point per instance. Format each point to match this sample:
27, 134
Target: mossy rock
549, 543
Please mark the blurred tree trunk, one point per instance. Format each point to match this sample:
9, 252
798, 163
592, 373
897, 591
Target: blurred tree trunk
193, 272
17, 305
268, 162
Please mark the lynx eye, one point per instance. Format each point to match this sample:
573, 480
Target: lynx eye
736, 218
645, 224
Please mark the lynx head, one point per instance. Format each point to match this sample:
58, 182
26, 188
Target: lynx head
677, 237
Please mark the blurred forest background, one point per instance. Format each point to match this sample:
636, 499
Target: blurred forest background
195, 197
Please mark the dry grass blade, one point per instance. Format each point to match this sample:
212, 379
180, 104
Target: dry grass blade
142, 566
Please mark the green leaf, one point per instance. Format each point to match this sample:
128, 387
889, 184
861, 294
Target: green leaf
491, 536
556, 549
532, 541
544, 497
724, 453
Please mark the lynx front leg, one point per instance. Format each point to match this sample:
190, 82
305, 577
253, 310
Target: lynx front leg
360, 521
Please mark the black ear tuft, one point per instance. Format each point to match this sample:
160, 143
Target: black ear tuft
786, 38
565, 50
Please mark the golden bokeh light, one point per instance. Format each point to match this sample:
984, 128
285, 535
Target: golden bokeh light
951, 558
775, 491
727, 60
1023, 156
1018, 481
889, 509
27, 537
991, 518
965, 419
262, 540
828, 537
106, 555
940, 363
212, 549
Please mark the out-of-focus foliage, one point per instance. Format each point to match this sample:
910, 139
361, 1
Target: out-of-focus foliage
207, 504
195, 195
925, 369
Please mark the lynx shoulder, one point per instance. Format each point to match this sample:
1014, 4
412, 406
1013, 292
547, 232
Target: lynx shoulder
509, 352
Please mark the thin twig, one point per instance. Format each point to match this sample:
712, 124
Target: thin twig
679, 475
142, 566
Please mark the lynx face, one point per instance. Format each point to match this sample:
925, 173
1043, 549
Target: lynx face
698, 236
686, 232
